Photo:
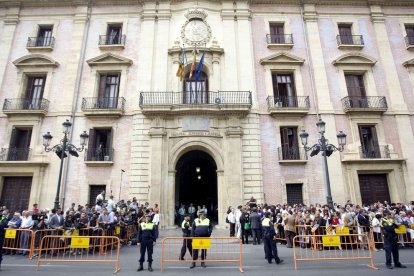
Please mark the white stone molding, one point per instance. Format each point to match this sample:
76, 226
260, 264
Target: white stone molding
109, 59
35, 60
354, 59
282, 58
409, 63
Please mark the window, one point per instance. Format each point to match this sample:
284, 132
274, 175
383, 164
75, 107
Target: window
44, 36
356, 90
34, 92
100, 145
195, 91
294, 194
345, 34
277, 35
369, 142
289, 143
114, 34
94, 191
284, 90
410, 34
19, 144
108, 90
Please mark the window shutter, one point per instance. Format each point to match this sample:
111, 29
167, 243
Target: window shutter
29, 87
102, 86
92, 138
275, 87
28, 138
109, 139
284, 137
13, 138
40, 96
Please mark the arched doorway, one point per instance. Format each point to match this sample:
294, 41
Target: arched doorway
196, 181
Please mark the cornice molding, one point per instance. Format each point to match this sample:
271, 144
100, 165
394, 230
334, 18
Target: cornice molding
109, 59
354, 59
35, 60
409, 63
282, 58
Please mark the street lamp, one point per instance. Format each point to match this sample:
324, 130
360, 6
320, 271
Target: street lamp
327, 149
61, 149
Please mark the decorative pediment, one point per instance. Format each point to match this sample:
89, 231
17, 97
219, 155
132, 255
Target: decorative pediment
35, 60
409, 63
109, 59
354, 59
282, 58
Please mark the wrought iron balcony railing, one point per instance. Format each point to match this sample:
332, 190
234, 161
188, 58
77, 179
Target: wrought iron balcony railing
279, 38
368, 103
99, 154
14, 154
25, 104
409, 41
112, 39
115, 103
357, 40
374, 152
40, 41
200, 98
292, 153
288, 102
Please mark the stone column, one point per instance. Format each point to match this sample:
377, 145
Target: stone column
230, 47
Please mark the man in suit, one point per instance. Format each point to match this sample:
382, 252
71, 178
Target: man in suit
56, 223
255, 225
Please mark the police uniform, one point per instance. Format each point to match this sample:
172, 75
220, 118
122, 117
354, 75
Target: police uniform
146, 237
3, 225
269, 242
390, 242
201, 228
187, 243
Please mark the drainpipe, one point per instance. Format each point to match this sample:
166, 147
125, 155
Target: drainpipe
76, 95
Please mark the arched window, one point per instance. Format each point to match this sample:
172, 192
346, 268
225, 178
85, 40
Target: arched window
195, 91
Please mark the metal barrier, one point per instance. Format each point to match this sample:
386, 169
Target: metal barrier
405, 236
332, 248
79, 249
218, 249
19, 241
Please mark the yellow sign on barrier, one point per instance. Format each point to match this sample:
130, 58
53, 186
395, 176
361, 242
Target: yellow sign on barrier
79, 243
342, 230
331, 241
117, 230
401, 230
10, 234
201, 243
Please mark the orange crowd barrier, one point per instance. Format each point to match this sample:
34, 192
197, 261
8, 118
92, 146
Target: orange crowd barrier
332, 247
218, 250
19, 241
85, 249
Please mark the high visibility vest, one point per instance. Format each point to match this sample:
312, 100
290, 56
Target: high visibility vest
200, 222
147, 226
266, 222
184, 224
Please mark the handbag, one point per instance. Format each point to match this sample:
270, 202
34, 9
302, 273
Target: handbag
246, 226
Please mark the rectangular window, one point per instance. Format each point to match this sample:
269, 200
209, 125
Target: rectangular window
356, 90
94, 191
114, 34
108, 90
284, 90
35, 87
289, 143
44, 36
369, 141
100, 145
277, 35
294, 194
409, 29
345, 34
19, 146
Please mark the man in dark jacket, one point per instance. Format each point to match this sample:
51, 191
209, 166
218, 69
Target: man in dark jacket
146, 238
269, 240
3, 226
388, 227
187, 243
201, 228
255, 225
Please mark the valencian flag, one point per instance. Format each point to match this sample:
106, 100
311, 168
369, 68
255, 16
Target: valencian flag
200, 66
192, 69
180, 71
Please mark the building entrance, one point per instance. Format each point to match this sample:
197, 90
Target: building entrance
196, 182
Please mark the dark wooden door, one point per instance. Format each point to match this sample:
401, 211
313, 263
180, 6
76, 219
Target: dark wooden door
373, 188
16, 193
294, 194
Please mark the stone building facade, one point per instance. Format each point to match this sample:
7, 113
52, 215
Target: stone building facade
270, 70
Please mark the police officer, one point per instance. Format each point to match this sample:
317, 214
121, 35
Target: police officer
187, 243
146, 238
201, 228
269, 240
388, 226
3, 225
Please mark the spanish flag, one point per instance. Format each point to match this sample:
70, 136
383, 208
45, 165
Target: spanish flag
193, 65
180, 71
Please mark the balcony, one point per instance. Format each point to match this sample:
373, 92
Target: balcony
103, 106
292, 155
40, 43
375, 152
409, 42
186, 102
14, 154
99, 157
111, 42
350, 41
364, 104
279, 41
22, 106
288, 105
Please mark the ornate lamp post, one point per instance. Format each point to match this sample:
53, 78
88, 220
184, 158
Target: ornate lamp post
62, 148
327, 149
